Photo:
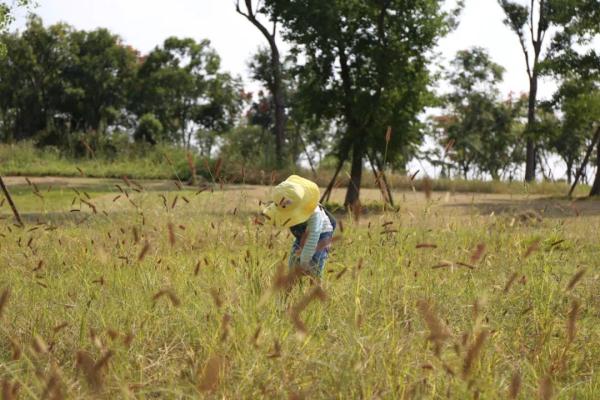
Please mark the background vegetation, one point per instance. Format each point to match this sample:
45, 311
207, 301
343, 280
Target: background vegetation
355, 92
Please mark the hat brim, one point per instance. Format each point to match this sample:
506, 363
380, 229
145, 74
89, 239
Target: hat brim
290, 216
279, 217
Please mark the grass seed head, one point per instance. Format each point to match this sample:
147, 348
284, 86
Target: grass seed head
93, 372
474, 351
576, 278
515, 386
256, 336
572, 319
10, 391
545, 390
39, 345
478, 253
510, 282
16, 348
225, 322
532, 247
316, 293
276, 350
171, 230
170, 293
438, 332
4, 300
144, 251
209, 378
216, 297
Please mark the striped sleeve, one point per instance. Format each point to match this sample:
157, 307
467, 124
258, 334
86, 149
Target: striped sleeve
314, 232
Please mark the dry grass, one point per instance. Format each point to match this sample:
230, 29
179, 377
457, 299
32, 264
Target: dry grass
143, 296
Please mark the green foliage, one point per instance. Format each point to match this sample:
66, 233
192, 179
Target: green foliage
364, 65
516, 16
249, 145
149, 129
7, 17
56, 81
479, 130
182, 85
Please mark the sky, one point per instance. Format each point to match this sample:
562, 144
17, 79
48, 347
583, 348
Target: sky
145, 24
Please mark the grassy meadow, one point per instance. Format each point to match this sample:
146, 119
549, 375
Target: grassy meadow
135, 290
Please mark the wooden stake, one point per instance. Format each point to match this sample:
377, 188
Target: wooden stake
10, 202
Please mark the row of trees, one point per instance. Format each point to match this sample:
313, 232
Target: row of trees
489, 135
56, 82
365, 66
354, 69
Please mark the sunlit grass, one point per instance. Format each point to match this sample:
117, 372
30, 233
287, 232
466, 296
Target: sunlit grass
91, 313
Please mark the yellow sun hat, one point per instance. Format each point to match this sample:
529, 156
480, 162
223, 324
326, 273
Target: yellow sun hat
294, 200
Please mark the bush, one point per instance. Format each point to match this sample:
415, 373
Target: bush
149, 130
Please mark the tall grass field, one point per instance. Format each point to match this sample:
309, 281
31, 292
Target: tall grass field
123, 289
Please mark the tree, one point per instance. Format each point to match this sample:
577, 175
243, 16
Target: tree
305, 131
149, 130
182, 85
574, 59
541, 18
7, 17
479, 126
275, 83
98, 75
55, 80
364, 66
568, 136
31, 83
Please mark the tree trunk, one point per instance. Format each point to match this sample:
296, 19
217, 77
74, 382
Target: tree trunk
530, 155
279, 103
569, 171
327, 193
308, 156
581, 169
596, 187
353, 191
277, 89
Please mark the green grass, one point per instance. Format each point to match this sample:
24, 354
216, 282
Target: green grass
77, 285
164, 162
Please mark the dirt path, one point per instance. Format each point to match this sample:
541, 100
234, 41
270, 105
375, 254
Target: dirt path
444, 202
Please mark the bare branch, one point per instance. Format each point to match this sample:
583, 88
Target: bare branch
526, 56
531, 23
250, 16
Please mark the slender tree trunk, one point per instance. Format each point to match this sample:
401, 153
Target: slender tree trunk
569, 171
596, 187
279, 103
353, 191
581, 169
308, 156
530, 154
327, 193
277, 90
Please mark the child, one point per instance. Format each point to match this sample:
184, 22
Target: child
296, 205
